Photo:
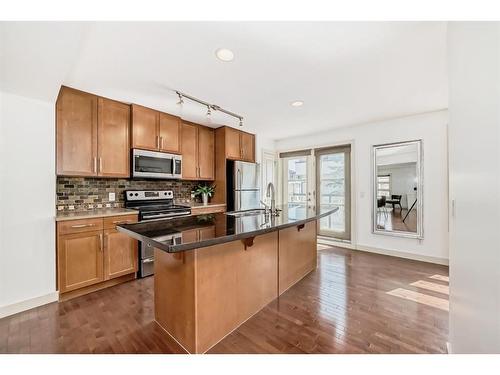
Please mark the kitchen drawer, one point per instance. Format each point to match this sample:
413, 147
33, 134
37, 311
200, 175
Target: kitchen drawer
112, 221
79, 226
207, 210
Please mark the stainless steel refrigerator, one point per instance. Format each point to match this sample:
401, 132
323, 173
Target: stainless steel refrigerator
243, 186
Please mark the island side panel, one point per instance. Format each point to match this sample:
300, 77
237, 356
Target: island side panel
233, 283
297, 254
174, 296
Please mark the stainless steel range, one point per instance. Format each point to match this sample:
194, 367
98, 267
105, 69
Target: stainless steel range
153, 205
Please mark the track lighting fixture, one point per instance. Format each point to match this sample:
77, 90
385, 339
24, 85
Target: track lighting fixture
209, 106
181, 101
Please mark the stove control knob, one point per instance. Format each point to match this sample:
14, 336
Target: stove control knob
136, 194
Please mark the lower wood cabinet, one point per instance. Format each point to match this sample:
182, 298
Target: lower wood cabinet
120, 254
80, 260
91, 253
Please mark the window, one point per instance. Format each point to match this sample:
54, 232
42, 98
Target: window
384, 186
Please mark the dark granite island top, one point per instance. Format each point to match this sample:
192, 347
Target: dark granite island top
175, 235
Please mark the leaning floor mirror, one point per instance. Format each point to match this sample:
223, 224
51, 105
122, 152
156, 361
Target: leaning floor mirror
398, 189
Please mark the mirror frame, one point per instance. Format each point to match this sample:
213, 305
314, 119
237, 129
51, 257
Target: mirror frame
420, 191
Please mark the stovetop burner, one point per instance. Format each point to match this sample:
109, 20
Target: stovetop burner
154, 204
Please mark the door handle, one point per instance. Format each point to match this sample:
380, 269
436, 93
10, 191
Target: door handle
100, 165
95, 164
82, 225
157, 142
161, 142
101, 241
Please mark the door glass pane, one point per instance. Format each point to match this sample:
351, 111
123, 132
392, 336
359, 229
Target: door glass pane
297, 180
332, 190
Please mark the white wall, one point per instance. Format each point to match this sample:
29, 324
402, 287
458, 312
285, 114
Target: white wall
474, 139
432, 129
27, 203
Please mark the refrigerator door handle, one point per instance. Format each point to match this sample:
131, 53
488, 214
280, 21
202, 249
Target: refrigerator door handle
238, 179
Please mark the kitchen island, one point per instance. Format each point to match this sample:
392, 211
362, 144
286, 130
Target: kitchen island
213, 272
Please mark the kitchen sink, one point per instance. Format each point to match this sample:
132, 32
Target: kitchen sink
257, 211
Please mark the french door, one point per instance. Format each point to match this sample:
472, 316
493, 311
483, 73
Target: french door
298, 182
333, 187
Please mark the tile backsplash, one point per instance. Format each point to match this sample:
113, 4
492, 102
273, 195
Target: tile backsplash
82, 193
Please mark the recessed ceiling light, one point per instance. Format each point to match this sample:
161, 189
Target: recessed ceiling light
224, 54
297, 103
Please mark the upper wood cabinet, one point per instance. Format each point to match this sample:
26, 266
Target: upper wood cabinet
206, 153
198, 152
76, 133
92, 135
233, 143
155, 131
170, 133
113, 142
247, 146
239, 145
145, 128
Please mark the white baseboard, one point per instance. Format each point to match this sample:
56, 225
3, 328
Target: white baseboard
377, 250
31, 303
401, 254
332, 242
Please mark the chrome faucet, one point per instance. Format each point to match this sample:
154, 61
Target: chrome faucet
270, 193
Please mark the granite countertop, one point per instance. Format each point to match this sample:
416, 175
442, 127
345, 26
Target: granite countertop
175, 235
199, 204
91, 214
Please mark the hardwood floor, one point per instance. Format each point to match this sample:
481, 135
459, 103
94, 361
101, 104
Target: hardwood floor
394, 220
354, 302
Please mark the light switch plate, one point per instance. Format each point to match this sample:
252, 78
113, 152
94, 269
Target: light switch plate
111, 197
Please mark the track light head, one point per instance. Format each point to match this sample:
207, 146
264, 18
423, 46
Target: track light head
209, 111
241, 121
181, 101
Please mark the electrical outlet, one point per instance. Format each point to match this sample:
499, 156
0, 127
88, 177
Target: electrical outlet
111, 197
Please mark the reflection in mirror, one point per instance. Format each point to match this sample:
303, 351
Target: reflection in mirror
397, 189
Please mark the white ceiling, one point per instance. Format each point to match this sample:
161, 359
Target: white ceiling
345, 72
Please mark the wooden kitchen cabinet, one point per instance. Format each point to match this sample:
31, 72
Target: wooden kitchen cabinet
239, 145
233, 143
206, 153
76, 133
198, 152
189, 147
80, 260
145, 128
120, 254
170, 133
113, 147
247, 147
155, 131
92, 254
92, 135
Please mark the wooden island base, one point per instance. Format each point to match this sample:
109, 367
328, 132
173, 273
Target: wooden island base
202, 295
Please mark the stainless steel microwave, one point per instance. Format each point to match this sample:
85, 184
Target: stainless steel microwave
151, 164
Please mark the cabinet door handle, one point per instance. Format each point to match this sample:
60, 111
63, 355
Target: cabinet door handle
161, 142
82, 225
100, 238
100, 165
95, 165
157, 142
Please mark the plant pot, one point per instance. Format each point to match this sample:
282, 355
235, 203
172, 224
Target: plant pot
204, 197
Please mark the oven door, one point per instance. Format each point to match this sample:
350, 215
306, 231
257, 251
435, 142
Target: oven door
151, 164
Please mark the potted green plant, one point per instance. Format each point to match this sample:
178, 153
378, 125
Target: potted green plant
205, 191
